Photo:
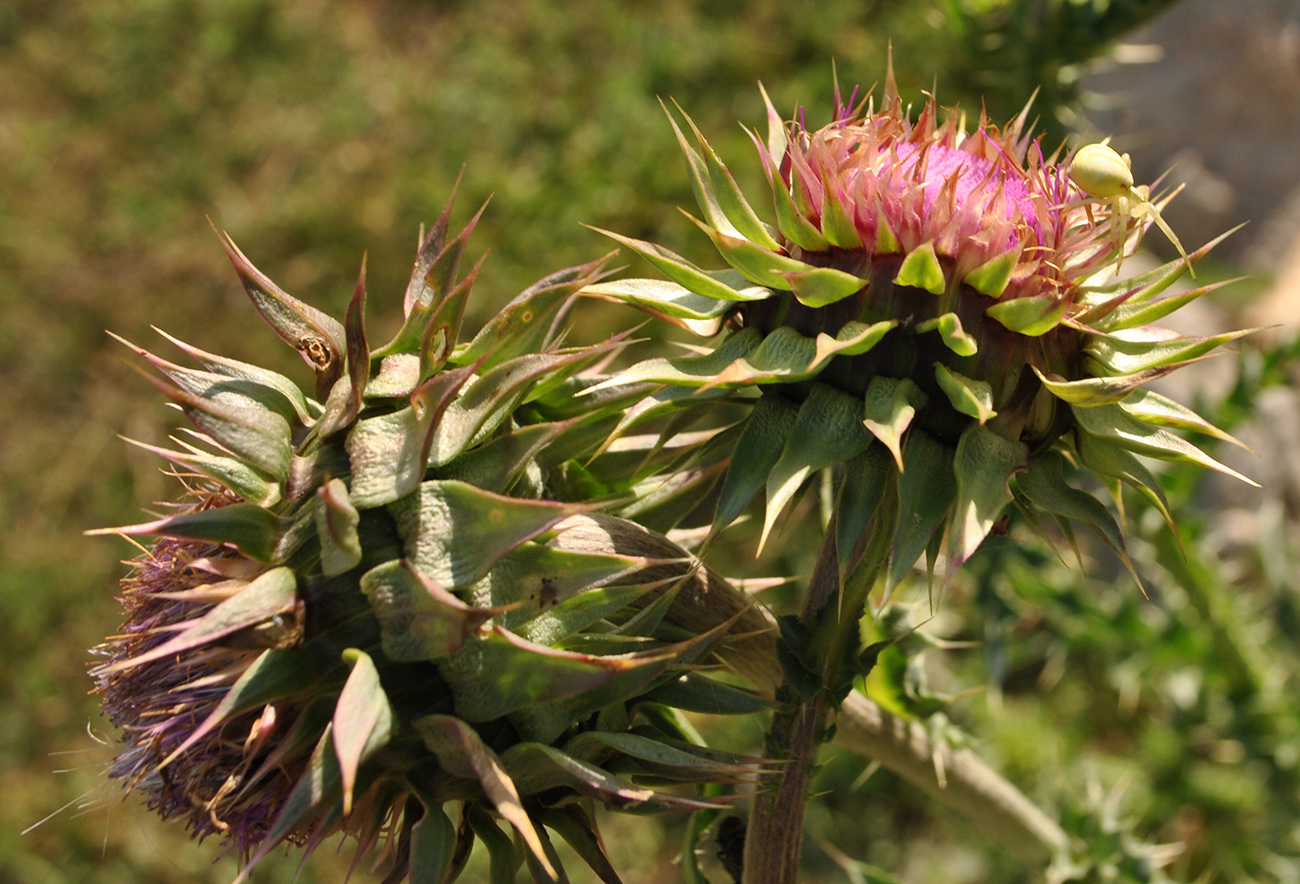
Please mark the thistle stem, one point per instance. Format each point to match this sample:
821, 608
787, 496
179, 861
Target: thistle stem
775, 834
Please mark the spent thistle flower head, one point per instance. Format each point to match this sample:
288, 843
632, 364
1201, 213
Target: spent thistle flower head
936, 314
365, 609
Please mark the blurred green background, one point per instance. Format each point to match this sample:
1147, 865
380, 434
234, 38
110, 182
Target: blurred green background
315, 132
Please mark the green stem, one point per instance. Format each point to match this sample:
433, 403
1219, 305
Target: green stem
832, 609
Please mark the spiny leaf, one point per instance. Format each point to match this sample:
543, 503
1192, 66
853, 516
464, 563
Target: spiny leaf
1032, 316
250, 483
1109, 459
983, 465
726, 285
661, 296
316, 789
389, 453
454, 533
500, 673
306, 409
274, 674
1134, 350
270, 594
433, 842
527, 324
1044, 484
336, 526
823, 286
695, 371
255, 531
418, 620
1102, 390
967, 395
926, 488
363, 720
827, 430
956, 338
888, 409
258, 436
1154, 408
537, 768
726, 195
1113, 423
319, 338
993, 276
756, 452
755, 263
921, 269
461, 752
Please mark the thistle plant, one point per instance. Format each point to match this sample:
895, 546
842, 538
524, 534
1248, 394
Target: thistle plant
436, 594
364, 609
936, 323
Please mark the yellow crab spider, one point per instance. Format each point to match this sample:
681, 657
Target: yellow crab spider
1105, 175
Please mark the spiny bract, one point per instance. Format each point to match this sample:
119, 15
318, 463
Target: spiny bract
933, 314
367, 607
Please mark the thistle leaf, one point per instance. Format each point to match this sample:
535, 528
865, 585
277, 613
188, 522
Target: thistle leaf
363, 721
1154, 408
724, 194
984, 463
256, 435
390, 452
921, 269
454, 533
579, 833
1044, 484
418, 620
1135, 350
822, 286
537, 768
1088, 392
307, 411
827, 430
433, 842
956, 338
967, 395
274, 674
661, 297
500, 673
336, 526
866, 477
318, 337
250, 483
889, 406
1114, 424
528, 323
926, 488
757, 450
692, 371
1032, 316
693, 692
1109, 459
255, 531
461, 752
271, 594
755, 263
993, 276
317, 789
